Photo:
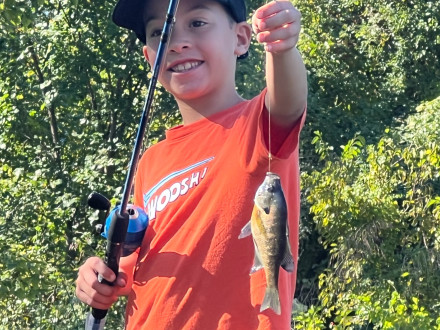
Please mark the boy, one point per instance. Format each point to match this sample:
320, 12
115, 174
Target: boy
197, 186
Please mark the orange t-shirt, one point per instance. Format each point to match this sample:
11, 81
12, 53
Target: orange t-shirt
198, 186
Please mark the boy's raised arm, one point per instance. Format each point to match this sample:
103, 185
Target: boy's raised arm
277, 25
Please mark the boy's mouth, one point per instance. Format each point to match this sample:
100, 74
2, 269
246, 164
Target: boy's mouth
183, 67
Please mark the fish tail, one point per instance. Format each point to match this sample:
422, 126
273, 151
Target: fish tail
271, 300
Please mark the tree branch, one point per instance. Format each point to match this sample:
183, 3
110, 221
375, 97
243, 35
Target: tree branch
50, 107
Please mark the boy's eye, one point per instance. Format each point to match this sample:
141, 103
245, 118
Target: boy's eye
156, 33
197, 23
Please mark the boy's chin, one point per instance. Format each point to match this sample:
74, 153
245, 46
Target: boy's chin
189, 91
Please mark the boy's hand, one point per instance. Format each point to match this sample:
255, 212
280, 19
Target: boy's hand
277, 25
95, 294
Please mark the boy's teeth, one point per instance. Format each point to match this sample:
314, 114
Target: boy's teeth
185, 66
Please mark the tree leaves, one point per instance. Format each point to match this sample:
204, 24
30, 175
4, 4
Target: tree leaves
373, 209
72, 88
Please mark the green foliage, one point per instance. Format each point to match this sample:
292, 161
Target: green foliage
72, 88
376, 208
370, 62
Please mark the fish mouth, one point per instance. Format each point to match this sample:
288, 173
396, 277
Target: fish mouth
272, 175
186, 66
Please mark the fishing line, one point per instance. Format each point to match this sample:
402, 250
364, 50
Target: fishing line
270, 135
269, 118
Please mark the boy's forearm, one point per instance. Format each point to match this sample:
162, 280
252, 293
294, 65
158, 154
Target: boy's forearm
286, 79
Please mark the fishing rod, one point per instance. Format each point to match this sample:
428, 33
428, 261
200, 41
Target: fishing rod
127, 221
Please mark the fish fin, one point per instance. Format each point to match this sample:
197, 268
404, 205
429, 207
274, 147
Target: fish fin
246, 231
264, 209
287, 263
257, 262
271, 300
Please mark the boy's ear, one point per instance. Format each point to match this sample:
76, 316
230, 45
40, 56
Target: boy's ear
244, 35
145, 51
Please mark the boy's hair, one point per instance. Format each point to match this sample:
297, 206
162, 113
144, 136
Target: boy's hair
130, 14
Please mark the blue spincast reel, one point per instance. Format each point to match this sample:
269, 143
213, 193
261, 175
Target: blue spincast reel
137, 226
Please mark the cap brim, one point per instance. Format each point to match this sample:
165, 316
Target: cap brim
129, 14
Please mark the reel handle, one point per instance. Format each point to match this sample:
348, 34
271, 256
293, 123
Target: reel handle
115, 245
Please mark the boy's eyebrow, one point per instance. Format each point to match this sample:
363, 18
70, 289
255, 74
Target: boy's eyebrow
195, 7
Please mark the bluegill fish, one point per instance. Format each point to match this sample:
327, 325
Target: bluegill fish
269, 229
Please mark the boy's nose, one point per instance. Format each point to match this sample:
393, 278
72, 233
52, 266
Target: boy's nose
178, 42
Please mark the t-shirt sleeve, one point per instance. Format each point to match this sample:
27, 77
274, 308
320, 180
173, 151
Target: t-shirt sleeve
253, 139
282, 140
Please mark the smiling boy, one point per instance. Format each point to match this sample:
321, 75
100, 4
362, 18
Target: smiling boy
197, 186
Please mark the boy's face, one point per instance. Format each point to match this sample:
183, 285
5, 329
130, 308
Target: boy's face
202, 51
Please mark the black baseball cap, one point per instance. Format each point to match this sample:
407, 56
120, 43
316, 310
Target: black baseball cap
130, 14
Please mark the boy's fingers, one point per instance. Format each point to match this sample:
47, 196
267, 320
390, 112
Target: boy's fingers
280, 46
272, 8
283, 33
89, 284
95, 300
277, 25
90, 291
99, 267
282, 18
88, 276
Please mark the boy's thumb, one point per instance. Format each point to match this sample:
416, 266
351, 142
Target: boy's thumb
121, 280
